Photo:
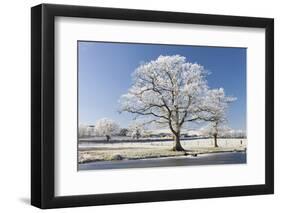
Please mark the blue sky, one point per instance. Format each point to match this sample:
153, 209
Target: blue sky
104, 72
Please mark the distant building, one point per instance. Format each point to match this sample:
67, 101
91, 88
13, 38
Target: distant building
85, 130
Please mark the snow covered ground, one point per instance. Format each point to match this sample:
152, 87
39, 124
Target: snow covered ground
106, 151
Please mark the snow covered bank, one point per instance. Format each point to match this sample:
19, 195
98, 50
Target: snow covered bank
131, 151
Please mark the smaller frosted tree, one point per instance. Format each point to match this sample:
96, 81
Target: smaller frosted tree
213, 110
106, 127
136, 130
213, 130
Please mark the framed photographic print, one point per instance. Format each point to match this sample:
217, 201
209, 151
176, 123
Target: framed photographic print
139, 106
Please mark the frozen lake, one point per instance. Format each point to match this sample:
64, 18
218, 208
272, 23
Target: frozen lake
203, 159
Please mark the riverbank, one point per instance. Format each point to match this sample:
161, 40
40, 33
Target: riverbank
137, 151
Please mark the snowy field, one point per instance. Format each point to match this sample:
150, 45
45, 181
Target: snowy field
188, 143
107, 151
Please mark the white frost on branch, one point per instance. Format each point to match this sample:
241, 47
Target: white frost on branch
214, 106
209, 130
167, 90
170, 92
213, 110
136, 130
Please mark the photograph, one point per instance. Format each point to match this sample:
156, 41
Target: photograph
160, 105
171, 105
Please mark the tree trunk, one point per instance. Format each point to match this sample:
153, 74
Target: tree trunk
215, 140
177, 145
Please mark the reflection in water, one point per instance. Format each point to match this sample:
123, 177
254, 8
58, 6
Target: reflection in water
204, 159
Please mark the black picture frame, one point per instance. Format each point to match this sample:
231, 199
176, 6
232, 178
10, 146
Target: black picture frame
43, 102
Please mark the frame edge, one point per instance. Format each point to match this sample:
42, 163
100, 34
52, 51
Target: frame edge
36, 60
269, 104
42, 126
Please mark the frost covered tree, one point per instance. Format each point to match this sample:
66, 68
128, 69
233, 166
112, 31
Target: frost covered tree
213, 109
136, 130
215, 131
106, 127
167, 91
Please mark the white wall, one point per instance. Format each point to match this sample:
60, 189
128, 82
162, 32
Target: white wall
15, 105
